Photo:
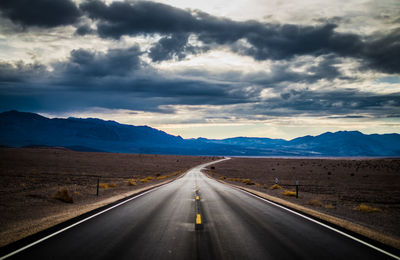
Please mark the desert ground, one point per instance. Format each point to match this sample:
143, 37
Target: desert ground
363, 191
41, 187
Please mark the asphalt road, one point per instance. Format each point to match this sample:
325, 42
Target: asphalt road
160, 224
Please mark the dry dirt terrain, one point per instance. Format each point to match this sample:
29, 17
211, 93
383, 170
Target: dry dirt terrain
363, 191
44, 186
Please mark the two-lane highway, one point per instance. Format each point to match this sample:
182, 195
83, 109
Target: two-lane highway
160, 224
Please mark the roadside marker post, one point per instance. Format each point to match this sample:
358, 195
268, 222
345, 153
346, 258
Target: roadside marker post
98, 184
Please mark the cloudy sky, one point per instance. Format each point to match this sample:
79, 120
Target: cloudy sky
266, 68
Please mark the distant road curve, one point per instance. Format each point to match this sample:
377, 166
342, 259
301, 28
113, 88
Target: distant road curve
161, 224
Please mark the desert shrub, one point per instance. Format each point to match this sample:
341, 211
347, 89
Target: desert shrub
329, 206
366, 209
247, 182
289, 193
104, 185
175, 173
132, 182
107, 185
315, 202
275, 186
235, 179
64, 196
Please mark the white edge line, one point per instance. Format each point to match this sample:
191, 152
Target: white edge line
322, 224
77, 223
99, 213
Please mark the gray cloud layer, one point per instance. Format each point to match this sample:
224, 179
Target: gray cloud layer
119, 77
41, 13
264, 41
267, 41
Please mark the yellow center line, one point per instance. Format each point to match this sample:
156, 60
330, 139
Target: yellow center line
198, 219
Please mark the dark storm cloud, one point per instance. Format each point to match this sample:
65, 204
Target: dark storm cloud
383, 53
116, 79
131, 18
84, 30
19, 72
108, 80
88, 64
169, 47
262, 40
325, 103
41, 13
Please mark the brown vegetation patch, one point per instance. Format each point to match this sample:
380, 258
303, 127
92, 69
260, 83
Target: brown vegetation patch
366, 208
64, 196
289, 193
276, 187
315, 202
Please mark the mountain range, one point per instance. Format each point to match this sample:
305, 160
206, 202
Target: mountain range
22, 129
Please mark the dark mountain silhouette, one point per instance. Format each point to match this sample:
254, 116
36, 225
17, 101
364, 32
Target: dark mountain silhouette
20, 129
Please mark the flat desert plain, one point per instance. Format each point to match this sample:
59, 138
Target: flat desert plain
41, 187
363, 191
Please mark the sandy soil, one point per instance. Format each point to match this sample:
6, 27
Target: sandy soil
334, 186
31, 179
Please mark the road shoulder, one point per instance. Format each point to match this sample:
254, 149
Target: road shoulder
344, 224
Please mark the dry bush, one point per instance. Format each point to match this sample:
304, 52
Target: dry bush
132, 182
234, 179
63, 195
275, 187
329, 206
366, 209
107, 185
315, 202
289, 193
247, 182
177, 172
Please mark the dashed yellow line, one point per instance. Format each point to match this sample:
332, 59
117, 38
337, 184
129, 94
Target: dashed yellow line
198, 219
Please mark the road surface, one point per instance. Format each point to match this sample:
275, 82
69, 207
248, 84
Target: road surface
160, 224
